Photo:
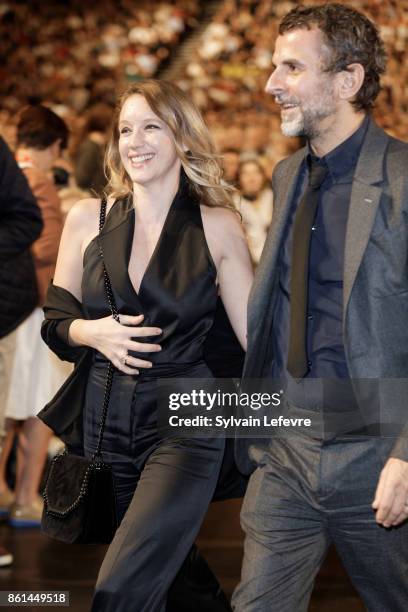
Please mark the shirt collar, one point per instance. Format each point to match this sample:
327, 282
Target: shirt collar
343, 158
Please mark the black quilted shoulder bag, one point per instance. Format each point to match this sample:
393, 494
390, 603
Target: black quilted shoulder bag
79, 494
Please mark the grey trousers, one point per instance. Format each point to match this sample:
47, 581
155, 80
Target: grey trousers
305, 494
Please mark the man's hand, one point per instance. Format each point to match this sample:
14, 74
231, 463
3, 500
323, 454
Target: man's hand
391, 496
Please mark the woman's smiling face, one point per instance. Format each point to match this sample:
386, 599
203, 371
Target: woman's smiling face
146, 143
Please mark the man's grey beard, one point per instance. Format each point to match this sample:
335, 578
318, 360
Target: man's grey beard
293, 128
306, 124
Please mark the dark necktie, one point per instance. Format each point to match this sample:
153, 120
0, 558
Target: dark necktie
305, 214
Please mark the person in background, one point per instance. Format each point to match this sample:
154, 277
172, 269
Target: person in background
255, 205
36, 373
68, 191
230, 164
89, 171
20, 225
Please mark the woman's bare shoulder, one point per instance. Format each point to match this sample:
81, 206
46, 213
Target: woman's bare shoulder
84, 214
221, 222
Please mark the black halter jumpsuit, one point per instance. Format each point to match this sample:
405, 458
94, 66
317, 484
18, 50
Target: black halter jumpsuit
163, 486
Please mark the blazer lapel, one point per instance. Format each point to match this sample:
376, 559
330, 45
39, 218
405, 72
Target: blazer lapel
261, 292
364, 202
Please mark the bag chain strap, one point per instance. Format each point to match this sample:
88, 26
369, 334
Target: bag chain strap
115, 315
97, 460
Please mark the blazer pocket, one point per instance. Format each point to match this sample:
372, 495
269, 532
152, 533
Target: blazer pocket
386, 262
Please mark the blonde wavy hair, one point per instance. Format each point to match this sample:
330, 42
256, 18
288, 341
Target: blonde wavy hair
192, 139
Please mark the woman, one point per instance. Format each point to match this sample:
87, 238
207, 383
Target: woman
255, 205
36, 373
170, 245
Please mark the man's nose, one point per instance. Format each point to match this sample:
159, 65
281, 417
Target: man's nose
274, 85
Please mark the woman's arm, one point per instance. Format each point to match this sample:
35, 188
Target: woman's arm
81, 225
112, 339
229, 250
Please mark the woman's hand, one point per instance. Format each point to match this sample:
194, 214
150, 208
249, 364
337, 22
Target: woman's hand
115, 340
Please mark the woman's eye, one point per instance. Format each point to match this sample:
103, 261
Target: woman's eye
124, 130
153, 126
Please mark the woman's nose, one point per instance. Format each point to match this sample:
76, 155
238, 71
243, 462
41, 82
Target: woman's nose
137, 138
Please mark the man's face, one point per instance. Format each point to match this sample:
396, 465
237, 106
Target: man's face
251, 178
306, 94
230, 162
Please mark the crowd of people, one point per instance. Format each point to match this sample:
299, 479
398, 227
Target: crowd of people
81, 57
75, 54
227, 73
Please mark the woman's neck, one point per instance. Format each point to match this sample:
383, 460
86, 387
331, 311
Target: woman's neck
152, 201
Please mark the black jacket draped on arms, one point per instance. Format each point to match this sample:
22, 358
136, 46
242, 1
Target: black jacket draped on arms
63, 414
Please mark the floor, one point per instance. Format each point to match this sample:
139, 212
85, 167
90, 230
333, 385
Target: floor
42, 564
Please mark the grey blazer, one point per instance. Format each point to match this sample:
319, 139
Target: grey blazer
375, 294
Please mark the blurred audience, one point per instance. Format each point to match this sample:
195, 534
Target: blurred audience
255, 203
78, 53
89, 169
73, 55
230, 163
226, 74
36, 374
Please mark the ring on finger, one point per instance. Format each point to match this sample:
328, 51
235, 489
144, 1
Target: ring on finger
123, 359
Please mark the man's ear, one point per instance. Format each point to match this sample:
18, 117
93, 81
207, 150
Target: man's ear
351, 81
56, 148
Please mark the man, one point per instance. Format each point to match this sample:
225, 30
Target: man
20, 225
328, 313
230, 162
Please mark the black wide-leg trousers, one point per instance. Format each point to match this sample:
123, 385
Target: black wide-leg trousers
163, 487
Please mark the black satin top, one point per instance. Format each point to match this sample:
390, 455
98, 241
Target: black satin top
178, 292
